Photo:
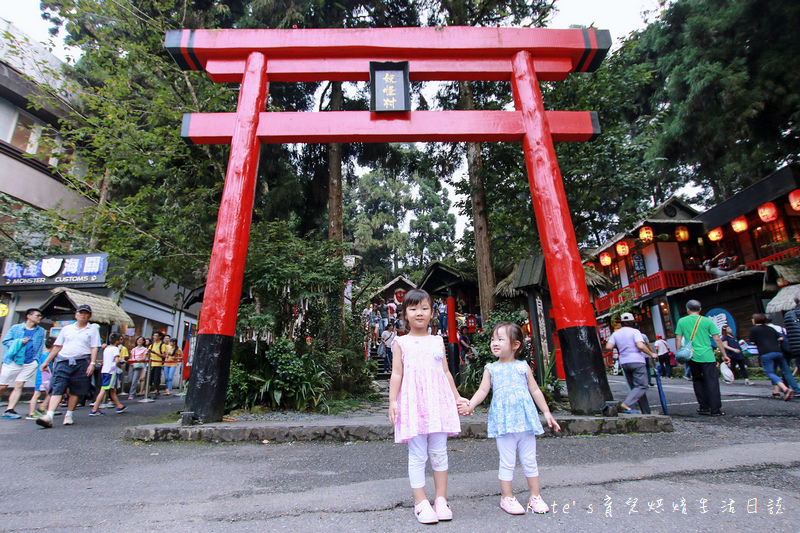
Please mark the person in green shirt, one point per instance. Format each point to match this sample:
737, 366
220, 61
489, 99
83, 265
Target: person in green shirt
705, 376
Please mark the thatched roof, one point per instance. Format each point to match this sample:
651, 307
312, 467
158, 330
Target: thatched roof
529, 272
784, 300
104, 310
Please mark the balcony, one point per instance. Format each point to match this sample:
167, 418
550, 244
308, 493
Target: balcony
656, 282
759, 265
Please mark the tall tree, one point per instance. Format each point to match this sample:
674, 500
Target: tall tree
484, 13
432, 231
727, 89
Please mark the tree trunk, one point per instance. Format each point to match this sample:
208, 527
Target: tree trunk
93, 241
335, 223
480, 222
335, 209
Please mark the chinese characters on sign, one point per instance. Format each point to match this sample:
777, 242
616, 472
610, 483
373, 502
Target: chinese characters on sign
389, 87
56, 270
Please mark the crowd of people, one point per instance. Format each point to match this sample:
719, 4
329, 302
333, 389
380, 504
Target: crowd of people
384, 324
77, 367
775, 346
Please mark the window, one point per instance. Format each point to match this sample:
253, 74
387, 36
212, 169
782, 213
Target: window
635, 266
612, 271
692, 256
767, 236
24, 136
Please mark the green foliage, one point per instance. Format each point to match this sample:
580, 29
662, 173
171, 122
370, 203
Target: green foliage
504, 312
726, 90
627, 299
281, 377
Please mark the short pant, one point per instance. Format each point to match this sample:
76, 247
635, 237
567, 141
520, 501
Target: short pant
12, 372
109, 381
69, 377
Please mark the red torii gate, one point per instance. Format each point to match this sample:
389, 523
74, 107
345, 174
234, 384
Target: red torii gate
524, 56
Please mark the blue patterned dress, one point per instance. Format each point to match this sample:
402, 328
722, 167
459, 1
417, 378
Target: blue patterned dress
512, 409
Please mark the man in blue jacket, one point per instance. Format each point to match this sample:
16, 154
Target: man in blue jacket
23, 344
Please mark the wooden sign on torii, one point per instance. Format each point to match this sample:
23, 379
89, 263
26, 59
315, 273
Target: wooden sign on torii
523, 56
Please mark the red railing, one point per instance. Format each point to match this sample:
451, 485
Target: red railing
759, 265
658, 281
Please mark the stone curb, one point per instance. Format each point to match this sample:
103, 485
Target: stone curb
348, 430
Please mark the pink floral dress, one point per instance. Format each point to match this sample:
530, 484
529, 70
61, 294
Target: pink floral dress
425, 402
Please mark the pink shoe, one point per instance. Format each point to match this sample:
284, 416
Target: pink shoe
425, 513
537, 505
511, 505
443, 512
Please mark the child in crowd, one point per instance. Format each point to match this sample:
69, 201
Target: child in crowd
423, 405
110, 373
513, 419
41, 385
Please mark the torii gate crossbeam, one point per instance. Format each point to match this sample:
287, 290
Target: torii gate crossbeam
524, 56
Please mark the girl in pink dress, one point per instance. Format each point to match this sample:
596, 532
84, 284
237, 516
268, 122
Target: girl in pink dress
423, 405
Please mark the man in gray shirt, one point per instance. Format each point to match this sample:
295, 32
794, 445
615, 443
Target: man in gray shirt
630, 344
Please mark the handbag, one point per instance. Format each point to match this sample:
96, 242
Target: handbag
684, 355
727, 373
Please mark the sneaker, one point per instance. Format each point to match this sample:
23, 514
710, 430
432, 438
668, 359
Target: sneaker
122, 409
57, 413
537, 505
34, 415
130, 397
67, 420
748, 382
94, 413
786, 398
443, 512
11, 414
425, 513
45, 421
511, 505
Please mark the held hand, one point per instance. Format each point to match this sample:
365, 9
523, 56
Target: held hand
551, 422
465, 410
727, 360
393, 412
43, 367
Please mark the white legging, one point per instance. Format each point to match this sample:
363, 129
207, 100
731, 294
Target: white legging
507, 446
419, 447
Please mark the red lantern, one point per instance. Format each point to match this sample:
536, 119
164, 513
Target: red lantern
768, 212
622, 248
794, 199
682, 233
605, 259
646, 234
715, 234
739, 224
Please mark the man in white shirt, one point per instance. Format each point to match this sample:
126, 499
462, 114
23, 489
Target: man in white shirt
632, 349
75, 354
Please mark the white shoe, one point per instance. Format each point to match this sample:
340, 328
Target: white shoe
443, 512
537, 505
68, 420
511, 505
748, 382
425, 513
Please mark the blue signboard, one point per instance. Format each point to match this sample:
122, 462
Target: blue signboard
56, 271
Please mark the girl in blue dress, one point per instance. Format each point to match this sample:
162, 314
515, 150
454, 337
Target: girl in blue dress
513, 418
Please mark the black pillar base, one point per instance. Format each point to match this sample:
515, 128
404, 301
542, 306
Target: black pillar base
208, 381
454, 362
582, 356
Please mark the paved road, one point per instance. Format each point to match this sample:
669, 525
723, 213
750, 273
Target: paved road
743, 470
